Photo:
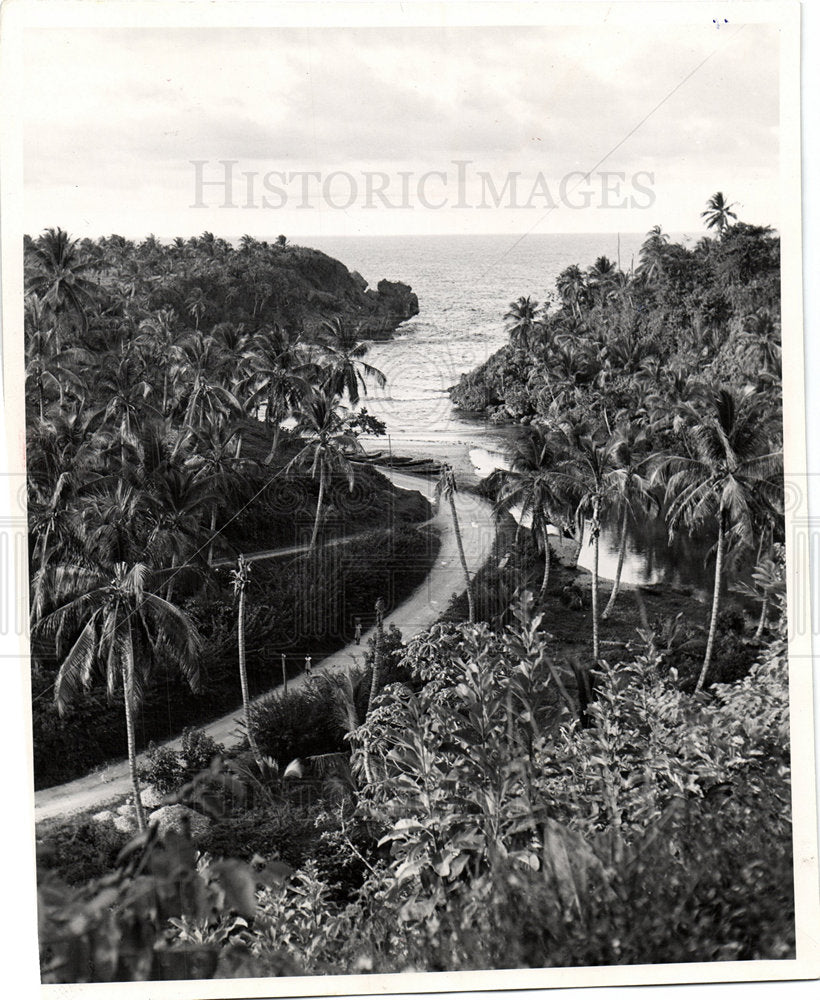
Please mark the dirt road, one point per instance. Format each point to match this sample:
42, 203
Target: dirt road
418, 612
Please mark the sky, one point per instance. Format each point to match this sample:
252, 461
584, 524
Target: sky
345, 131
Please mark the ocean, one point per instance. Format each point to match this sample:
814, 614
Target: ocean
464, 285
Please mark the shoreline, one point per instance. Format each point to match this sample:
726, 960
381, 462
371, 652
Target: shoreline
453, 451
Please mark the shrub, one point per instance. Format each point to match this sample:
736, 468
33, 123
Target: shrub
671, 814
659, 833
78, 851
167, 769
163, 769
198, 750
284, 833
301, 723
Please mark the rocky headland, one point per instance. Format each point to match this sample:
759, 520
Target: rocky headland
320, 288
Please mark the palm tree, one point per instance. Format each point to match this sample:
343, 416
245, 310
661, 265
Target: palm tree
116, 521
768, 581
378, 655
55, 527
521, 318
718, 212
122, 381
159, 332
176, 534
65, 441
346, 371
446, 488
45, 365
328, 444
124, 625
240, 578
60, 276
196, 305
728, 476
762, 347
220, 471
274, 373
652, 255
588, 477
602, 277
200, 367
535, 485
572, 288
631, 487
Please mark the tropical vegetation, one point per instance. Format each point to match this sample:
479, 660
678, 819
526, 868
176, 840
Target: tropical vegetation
607, 786
185, 408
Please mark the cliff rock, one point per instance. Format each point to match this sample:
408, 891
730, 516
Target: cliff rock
315, 287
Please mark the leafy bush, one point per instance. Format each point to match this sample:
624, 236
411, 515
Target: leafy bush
80, 851
654, 810
660, 832
198, 750
166, 769
301, 723
163, 769
284, 833
119, 927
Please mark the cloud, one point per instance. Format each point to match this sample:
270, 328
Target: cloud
135, 106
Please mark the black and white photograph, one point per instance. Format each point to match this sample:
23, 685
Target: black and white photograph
408, 495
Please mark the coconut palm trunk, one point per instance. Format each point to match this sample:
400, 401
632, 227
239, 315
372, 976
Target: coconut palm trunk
764, 611
274, 443
319, 502
241, 583
128, 698
616, 586
545, 579
596, 533
169, 593
378, 654
462, 557
710, 642
212, 533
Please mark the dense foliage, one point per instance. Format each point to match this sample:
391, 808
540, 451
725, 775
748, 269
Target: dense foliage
644, 341
534, 781
184, 405
656, 393
476, 797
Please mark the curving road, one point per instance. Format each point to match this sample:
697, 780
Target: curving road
418, 612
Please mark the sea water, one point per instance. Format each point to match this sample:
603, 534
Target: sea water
465, 285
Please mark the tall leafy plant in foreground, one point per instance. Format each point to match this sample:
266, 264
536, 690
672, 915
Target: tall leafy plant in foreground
660, 833
496, 804
124, 625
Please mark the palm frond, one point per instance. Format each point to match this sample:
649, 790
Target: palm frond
76, 669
